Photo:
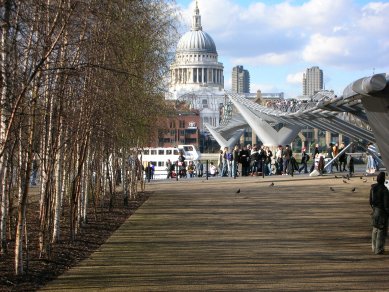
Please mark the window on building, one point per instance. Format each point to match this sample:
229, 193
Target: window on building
161, 152
153, 152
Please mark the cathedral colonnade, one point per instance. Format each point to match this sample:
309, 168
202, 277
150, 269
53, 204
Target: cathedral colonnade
197, 75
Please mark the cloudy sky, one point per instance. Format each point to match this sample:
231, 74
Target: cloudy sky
277, 40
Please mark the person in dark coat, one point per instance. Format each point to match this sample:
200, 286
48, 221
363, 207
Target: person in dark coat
244, 156
379, 202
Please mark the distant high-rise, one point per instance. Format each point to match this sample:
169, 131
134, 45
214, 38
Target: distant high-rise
240, 80
312, 81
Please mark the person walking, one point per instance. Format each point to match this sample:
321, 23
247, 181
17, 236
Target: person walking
379, 202
304, 159
315, 154
371, 163
169, 168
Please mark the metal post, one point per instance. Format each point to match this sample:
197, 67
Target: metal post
263, 168
206, 169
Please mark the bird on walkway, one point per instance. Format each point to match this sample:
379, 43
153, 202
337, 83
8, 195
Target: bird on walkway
345, 181
332, 189
365, 180
354, 189
336, 176
272, 184
238, 191
360, 177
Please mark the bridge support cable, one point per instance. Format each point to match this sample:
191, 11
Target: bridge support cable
340, 153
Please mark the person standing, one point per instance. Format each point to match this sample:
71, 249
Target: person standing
342, 158
199, 168
379, 202
181, 165
330, 156
169, 168
220, 162
191, 169
235, 161
286, 156
254, 161
268, 157
244, 156
278, 160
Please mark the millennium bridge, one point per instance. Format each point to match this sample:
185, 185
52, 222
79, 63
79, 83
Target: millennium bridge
361, 113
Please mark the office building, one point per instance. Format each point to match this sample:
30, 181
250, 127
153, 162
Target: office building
312, 81
240, 80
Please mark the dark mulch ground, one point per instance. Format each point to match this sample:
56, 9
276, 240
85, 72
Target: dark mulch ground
64, 255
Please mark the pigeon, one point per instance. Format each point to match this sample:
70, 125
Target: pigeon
332, 189
238, 191
365, 180
345, 181
360, 177
353, 189
336, 176
272, 184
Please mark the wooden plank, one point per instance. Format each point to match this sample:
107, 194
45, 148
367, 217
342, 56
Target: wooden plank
199, 235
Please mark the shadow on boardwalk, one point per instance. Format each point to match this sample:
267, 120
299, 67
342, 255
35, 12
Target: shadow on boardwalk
297, 235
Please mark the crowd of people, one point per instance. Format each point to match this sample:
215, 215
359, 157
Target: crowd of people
254, 160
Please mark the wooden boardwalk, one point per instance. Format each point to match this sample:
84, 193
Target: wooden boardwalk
199, 235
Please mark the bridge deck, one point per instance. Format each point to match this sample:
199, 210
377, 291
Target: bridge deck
203, 236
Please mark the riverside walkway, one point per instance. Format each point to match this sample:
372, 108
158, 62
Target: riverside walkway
199, 235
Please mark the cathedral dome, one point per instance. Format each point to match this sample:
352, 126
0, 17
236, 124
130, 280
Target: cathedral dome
196, 40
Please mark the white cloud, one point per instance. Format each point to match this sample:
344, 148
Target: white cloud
340, 36
265, 59
295, 78
264, 88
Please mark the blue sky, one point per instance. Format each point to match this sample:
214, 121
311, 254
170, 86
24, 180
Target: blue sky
277, 40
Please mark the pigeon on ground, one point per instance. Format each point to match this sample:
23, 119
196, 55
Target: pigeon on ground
272, 184
332, 189
353, 189
365, 180
336, 176
238, 191
345, 181
360, 177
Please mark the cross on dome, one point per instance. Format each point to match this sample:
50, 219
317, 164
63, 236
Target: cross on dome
196, 22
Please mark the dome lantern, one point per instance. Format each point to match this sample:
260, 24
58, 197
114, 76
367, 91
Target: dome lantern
196, 21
